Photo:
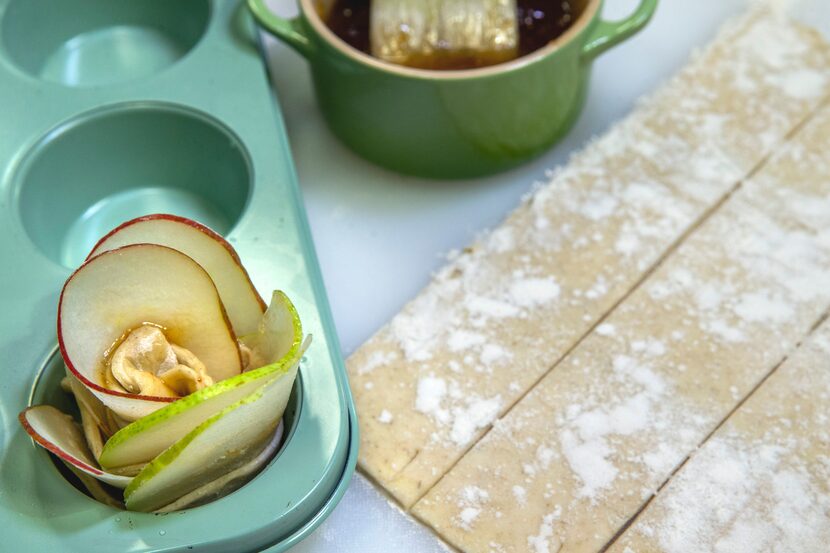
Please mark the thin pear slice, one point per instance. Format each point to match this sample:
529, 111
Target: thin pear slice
279, 340
121, 289
229, 482
278, 332
95, 488
88, 402
208, 249
221, 444
58, 433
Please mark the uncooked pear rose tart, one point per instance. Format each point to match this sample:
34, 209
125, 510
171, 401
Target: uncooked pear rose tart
180, 373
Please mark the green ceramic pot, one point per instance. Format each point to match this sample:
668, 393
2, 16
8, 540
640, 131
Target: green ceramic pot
451, 124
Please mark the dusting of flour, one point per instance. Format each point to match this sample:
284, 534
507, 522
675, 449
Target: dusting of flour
619, 418
737, 497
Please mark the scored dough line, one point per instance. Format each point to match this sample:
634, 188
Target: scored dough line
705, 216
723, 421
825, 104
394, 504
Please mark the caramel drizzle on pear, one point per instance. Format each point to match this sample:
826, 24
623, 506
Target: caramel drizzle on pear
105, 368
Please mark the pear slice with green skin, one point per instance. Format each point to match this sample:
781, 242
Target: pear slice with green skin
278, 341
58, 433
279, 331
221, 444
229, 482
122, 289
241, 300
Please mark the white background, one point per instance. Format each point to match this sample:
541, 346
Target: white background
380, 235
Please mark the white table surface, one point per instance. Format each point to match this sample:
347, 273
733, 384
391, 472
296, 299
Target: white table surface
380, 235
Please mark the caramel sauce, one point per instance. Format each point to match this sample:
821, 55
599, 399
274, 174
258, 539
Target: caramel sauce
540, 22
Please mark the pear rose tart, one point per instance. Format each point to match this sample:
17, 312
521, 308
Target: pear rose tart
180, 374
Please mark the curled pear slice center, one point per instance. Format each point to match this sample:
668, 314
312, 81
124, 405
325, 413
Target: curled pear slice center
146, 363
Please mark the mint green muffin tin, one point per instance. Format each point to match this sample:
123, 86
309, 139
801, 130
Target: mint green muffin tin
115, 109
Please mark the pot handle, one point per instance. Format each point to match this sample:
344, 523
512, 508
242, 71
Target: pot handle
608, 34
290, 31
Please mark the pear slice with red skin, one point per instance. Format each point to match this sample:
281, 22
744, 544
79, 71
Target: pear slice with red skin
241, 300
278, 341
59, 434
122, 289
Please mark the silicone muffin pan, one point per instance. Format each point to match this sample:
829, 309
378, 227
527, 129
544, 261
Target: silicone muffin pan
113, 110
